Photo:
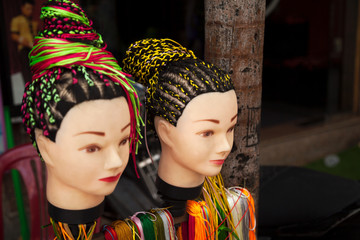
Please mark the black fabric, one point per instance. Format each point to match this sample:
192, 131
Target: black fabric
176, 197
300, 201
75, 216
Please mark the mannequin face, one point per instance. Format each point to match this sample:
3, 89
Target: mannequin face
90, 152
202, 139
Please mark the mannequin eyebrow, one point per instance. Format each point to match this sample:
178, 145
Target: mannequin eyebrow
209, 120
125, 127
100, 133
91, 132
232, 119
215, 120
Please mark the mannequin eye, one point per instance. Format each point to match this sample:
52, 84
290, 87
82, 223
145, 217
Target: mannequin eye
91, 149
124, 141
206, 133
231, 129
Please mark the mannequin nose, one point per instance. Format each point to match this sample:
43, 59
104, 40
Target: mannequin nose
113, 159
224, 145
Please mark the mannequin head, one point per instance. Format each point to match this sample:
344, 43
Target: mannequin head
192, 105
92, 137
79, 109
94, 153
201, 140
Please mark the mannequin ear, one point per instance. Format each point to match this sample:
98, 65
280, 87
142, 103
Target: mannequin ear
164, 129
43, 143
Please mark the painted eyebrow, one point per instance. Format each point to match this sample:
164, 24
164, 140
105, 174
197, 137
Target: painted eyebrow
125, 127
91, 132
209, 120
232, 119
215, 120
102, 134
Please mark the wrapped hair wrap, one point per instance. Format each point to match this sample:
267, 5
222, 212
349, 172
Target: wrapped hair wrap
173, 75
68, 43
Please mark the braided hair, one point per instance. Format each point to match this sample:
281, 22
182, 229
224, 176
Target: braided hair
173, 75
70, 65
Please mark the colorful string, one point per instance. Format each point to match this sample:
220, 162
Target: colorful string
234, 207
157, 224
63, 232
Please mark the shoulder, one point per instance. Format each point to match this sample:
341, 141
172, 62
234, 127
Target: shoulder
18, 19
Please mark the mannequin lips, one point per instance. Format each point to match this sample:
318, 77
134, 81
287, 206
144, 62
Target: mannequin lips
218, 162
110, 179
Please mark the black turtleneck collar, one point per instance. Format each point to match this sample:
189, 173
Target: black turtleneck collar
176, 197
75, 216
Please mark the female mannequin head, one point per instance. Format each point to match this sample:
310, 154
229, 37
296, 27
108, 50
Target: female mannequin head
91, 142
79, 109
192, 105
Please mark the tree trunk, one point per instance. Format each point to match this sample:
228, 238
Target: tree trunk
234, 36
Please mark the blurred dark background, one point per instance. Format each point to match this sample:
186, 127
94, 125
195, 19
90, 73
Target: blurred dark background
310, 126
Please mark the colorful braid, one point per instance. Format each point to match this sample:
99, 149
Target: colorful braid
64, 19
173, 75
69, 45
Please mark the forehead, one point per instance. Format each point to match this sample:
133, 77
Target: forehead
96, 115
213, 105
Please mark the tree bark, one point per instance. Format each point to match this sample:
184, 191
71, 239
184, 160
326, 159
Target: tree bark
234, 36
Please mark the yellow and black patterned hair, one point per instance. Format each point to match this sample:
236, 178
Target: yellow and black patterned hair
173, 75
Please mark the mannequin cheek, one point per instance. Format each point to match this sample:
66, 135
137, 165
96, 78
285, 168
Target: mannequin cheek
201, 151
231, 138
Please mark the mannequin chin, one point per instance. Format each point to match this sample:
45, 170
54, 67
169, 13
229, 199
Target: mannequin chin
200, 142
89, 154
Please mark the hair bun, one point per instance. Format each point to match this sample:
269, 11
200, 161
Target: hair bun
66, 20
144, 58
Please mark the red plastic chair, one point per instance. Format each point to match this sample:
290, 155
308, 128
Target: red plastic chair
26, 160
